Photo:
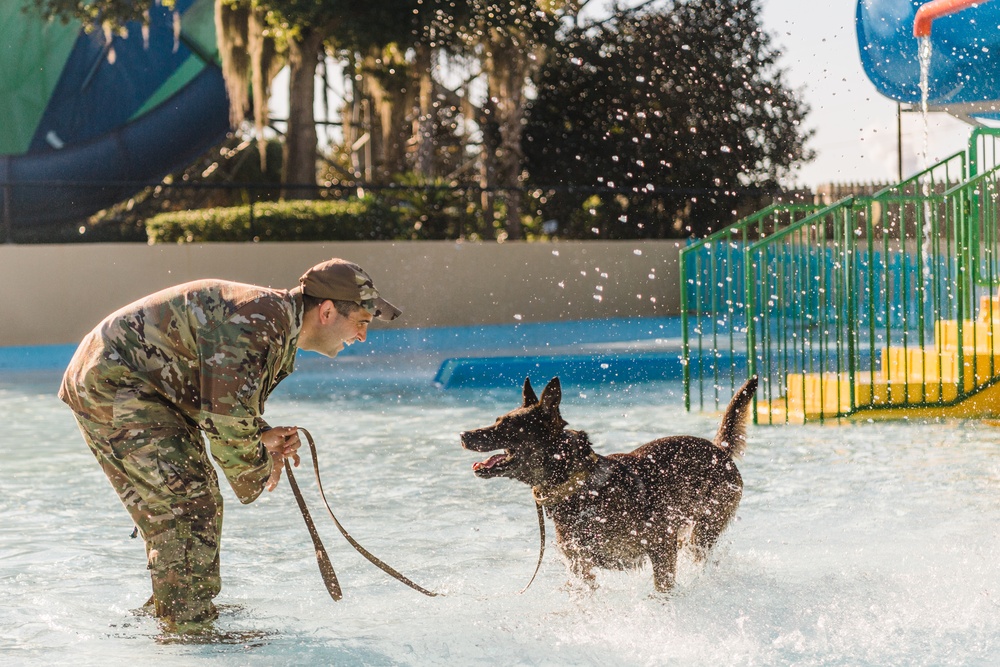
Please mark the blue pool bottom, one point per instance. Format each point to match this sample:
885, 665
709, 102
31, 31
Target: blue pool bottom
570, 368
580, 351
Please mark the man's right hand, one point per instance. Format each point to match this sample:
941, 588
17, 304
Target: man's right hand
281, 442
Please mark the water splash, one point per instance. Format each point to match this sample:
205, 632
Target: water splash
924, 56
857, 544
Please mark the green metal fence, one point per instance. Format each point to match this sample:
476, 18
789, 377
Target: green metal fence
713, 305
849, 307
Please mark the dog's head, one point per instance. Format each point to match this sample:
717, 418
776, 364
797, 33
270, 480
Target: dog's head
531, 437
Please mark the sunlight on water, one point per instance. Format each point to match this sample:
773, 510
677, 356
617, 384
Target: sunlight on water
868, 544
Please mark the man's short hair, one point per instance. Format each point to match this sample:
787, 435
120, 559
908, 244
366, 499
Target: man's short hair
345, 308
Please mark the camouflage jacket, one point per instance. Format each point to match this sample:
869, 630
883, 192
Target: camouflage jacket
209, 351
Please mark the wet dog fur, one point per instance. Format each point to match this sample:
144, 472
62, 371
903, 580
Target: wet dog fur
614, 511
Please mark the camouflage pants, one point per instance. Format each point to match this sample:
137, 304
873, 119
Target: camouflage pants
157, 463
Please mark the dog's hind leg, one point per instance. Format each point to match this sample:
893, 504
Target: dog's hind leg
706, 534
709, 527
663, 557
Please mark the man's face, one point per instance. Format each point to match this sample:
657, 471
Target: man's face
340, 330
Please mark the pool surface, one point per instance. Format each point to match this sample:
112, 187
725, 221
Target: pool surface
865, 544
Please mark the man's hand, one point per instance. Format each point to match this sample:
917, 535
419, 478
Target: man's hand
281, 442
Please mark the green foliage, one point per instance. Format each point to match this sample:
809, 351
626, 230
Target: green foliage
677, 114
113, 13
355, 220
433, 209
667, 119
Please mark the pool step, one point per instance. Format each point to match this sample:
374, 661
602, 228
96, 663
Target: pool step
909, 377
813, 396
981, 336
989, 308
921, 365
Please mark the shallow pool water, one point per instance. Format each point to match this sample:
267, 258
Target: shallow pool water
868, 544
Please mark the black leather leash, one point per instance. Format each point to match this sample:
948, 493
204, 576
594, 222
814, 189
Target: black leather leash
322, 559
541, 546
541, 512
325, 566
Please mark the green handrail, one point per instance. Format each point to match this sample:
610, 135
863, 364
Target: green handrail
869, 301
724, 250
861, 289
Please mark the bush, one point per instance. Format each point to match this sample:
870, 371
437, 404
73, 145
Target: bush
432, 209
300, 220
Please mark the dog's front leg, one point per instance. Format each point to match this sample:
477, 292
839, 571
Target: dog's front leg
583, 569
586, 575
581, 565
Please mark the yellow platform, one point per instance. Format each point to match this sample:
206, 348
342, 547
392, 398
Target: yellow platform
910, 382
979, 335
984, 404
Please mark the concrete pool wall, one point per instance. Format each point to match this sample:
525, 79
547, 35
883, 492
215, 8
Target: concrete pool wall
54, 294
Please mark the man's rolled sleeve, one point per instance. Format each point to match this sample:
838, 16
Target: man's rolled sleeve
235, 443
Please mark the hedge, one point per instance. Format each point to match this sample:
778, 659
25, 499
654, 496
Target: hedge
300, 220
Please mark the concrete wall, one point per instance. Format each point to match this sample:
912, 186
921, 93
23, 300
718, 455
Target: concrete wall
52, 294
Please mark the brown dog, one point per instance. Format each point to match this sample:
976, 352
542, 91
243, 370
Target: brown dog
610, 511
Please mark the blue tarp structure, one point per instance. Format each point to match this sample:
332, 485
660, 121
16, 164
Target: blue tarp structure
90, 120
965, 60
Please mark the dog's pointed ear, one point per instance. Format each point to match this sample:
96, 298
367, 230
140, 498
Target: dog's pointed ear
552, 394
529, 393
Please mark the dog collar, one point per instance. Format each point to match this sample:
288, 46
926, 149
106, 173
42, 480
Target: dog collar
562, 492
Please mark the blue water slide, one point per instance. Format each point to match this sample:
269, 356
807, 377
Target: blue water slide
965, 56
98, 118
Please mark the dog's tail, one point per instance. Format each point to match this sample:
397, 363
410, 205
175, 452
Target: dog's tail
732, 436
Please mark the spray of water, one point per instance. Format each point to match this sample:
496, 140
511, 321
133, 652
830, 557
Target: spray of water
924, 55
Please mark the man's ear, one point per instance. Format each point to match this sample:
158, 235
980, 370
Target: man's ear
327, 311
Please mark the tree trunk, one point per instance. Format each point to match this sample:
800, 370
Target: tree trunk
392, 101
425, 114
488, 165
506, 73
300, 138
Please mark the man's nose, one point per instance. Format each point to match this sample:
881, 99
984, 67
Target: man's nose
362, 335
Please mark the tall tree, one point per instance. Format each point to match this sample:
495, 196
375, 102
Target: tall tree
299, 28
495, 48
673, 114
510, 39
398, 107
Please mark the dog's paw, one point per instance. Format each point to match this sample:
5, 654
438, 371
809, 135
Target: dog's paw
578, 586
663, 597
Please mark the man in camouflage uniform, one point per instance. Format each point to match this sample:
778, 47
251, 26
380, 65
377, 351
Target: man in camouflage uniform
201, 358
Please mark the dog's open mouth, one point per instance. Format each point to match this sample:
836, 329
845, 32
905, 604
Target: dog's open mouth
492, 466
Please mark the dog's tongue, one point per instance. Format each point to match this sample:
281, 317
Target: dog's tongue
489, 463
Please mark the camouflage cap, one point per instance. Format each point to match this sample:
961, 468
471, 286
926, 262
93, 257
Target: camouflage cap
345, 281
